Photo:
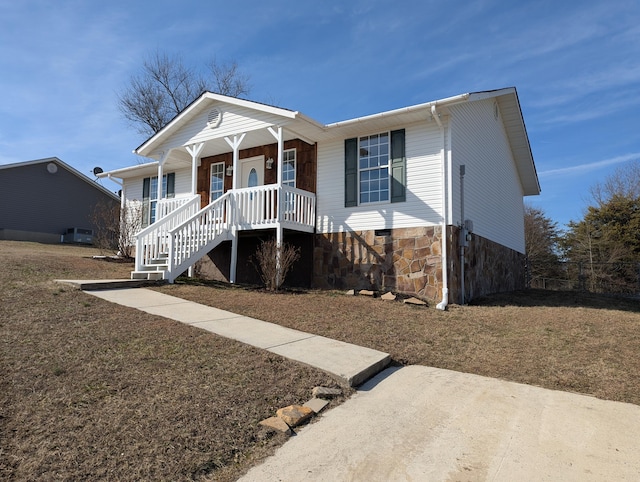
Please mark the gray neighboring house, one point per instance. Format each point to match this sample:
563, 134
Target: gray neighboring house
40, 200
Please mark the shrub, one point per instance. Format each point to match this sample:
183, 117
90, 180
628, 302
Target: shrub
274, 263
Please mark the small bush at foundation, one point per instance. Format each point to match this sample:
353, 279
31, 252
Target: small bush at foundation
274, 263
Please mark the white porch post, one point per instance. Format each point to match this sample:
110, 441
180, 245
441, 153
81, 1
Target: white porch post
235, 145
161, 162
280, 138
195, 151
279, 232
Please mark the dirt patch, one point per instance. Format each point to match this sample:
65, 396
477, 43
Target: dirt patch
94, 391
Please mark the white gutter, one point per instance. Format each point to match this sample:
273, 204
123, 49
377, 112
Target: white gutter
404, 110
445, 279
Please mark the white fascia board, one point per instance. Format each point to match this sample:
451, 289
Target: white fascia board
489, 94
404, 110
131, 171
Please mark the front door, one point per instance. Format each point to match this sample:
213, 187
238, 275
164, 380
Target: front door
252, 171
252, 208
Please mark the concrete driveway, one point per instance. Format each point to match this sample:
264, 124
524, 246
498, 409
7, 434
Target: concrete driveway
425, 424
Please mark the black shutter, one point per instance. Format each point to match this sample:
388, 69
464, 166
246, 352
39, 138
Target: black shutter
146, 186
351, 172
398, 167
171, 185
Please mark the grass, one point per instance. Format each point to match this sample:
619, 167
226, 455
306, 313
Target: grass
95, 391
559, 340
92, 390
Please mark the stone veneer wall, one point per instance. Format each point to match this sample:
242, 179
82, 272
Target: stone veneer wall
405, 260
489, 267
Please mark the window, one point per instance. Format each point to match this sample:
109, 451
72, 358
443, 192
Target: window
153, 196
289, 178
217, 181
373, 168
289, 168
150, 195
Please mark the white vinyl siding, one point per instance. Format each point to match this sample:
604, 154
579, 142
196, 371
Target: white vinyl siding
235, 120
132, 188
423, 190
493, 193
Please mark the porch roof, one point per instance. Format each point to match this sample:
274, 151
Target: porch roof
297, 125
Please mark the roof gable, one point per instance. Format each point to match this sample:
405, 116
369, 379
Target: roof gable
64, 165
194, 124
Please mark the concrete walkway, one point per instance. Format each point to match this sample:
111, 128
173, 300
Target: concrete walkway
422, 423
425, 424
352, 363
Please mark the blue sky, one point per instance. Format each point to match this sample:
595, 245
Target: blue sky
576, 66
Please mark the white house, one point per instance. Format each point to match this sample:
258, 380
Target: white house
427, 199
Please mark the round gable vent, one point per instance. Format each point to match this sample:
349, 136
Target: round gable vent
214, 118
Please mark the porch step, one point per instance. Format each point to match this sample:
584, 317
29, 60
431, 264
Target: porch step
148, 275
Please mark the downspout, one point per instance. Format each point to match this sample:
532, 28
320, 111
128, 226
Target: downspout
121, 184
445, 279
463, 234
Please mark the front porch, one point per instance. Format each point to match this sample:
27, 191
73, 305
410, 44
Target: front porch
222, 166
184, 234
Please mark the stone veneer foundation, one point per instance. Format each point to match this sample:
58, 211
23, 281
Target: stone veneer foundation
489, 267
409, 260
405, 260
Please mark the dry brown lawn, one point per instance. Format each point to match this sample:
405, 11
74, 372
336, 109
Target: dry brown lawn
95, 391
559, 340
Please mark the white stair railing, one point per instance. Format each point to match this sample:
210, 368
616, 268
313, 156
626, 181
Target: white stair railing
185, 234
151, 242
169, 205
196, 236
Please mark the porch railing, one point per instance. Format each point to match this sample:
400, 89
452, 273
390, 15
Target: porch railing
167, 206
151, 242
199, 234
265, 206
298, 208
185, 234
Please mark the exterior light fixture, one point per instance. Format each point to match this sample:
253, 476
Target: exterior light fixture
270, 163
229, 170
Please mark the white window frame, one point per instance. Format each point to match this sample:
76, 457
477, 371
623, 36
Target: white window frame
153, 196
216, 166
289, 156
374, 168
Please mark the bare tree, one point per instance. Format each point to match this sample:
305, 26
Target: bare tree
228, 79
165, 86
623, 183
115, 228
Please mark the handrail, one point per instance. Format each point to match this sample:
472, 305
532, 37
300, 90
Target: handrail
166, 206
196, 233
151, 240
185, 235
